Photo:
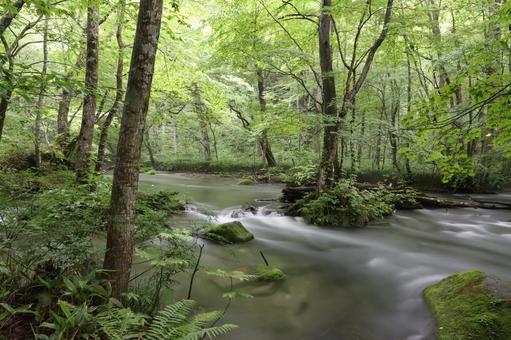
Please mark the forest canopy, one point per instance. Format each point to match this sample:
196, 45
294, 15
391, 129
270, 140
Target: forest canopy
398, 87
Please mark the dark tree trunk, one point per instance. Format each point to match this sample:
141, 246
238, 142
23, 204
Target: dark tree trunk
121, 226
394, 114
40, 101
147, 143
65, 102
118, 94
4, 104
264, 142
89, 103
9, 15
328, 166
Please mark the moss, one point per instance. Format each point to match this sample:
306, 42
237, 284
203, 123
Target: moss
227, 233
269, 274
465, 308
246, 181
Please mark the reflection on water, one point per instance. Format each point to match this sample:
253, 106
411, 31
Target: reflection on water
342, 284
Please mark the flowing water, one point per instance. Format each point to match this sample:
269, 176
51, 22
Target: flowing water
341, 283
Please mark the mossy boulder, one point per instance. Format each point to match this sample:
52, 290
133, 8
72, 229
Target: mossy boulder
270, 274
470, 306
227, 233
247, 181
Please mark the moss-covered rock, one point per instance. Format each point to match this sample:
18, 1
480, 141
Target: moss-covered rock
227, 233
246, 181
467, 308
269, 274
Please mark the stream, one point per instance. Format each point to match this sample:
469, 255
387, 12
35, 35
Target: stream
349, 284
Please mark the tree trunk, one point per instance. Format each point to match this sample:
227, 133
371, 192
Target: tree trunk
121, 226
9, 88
394, 114
328, 165
147, 143
65, 102
40, 101
91, 85
118, 94
264, 143
200, 109
9, 15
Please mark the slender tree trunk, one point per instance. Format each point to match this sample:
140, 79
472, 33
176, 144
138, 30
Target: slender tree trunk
4, 104
147, 143
65, 102
206, 144
362, 135
328, 165
394, 114
121, 226
103, 138
91, 85
408, 102
40, 101
9, 88
264, 142
9, 15
215, 146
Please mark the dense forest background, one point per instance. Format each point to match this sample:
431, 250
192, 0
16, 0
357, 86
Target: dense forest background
358, 106
239, 83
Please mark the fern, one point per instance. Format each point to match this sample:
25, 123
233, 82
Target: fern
177, 322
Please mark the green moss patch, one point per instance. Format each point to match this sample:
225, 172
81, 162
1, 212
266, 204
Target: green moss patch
466, 308
227, 233
247, 181
269, 274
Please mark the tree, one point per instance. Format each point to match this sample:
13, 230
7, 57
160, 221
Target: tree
328, 170
40, 101
86, 135
10, 14
121, 226
119, 89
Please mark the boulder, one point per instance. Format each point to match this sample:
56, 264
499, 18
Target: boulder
471, 305
227, 233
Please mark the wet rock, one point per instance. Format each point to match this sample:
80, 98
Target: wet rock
471, 305
227, 233
244, 211
270, 274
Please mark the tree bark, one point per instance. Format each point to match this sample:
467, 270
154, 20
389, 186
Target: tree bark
91, 85
40, 101
264, 142
65, 102
100, 160
327, 169
121, 226
8, 16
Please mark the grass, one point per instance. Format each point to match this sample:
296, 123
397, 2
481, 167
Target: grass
466, 309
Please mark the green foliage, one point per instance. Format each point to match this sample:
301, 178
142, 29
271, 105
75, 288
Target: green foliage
247, 181
347, 205
177, 321
302, 175
153, 212
466, 309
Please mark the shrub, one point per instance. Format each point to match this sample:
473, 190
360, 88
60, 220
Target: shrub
302, 175
346, 205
